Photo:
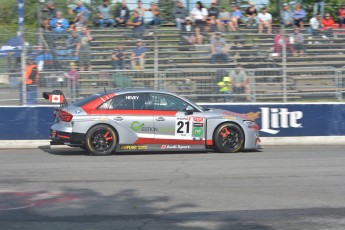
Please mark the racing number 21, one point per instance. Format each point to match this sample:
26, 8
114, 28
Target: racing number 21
183, 127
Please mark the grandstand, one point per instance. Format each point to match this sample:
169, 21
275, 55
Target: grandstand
186, 69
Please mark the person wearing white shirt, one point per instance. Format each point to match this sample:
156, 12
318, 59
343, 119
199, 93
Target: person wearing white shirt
314, 25
199, 14
265, 21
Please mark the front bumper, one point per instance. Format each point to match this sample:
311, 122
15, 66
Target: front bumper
65, 138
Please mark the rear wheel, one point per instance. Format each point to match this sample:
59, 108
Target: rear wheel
100, 140
228, 138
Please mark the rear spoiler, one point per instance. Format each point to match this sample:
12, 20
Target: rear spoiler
56, 96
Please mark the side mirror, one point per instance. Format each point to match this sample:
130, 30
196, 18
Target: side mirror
189, 110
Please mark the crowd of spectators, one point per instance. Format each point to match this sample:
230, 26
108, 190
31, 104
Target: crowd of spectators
196, 26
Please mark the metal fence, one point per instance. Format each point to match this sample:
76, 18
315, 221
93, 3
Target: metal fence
201, 85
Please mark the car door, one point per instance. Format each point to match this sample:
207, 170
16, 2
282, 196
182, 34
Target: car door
133, 121
174, 126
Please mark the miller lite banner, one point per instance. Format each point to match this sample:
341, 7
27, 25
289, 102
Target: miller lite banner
289, 120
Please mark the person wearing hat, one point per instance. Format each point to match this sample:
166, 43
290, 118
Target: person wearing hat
187, 33
50, 10
251, 15
265, 20
286, 15
225, 86
180, 13
138, 56
219, 49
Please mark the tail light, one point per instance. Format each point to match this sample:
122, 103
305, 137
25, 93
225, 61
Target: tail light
65, 116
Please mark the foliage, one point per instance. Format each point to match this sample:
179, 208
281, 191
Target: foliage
166, 9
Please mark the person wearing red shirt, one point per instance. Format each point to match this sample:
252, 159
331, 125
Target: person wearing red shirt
341, 16
328, 25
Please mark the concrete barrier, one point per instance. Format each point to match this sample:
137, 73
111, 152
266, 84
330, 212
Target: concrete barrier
280, 124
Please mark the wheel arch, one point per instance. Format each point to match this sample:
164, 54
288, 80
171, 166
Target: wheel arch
107, 124
230, 122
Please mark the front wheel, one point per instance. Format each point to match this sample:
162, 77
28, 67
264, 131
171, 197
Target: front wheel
100, 140
228, 138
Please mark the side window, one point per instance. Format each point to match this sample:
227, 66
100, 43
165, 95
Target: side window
132, 101
167, 102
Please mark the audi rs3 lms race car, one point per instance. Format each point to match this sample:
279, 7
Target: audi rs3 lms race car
147, 120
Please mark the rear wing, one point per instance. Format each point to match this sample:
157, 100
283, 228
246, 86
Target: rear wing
56, 96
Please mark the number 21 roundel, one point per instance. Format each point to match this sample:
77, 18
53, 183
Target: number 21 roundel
183, 126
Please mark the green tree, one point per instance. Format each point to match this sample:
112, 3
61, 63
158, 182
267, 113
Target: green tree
166, 9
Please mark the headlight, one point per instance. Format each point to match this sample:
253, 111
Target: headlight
250, 124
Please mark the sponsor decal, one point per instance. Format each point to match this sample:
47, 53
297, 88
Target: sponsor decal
132, 97
274, 119
230, 117
198, 132
175, 147
198, 125
198, 119
133, 147
136, 126
183, 126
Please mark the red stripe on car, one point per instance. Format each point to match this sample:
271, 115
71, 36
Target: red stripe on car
142, 140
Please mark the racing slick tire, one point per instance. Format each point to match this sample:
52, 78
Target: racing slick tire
100, 140
228, 138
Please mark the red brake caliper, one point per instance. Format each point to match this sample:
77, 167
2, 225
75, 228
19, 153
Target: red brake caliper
225, 132
107, 138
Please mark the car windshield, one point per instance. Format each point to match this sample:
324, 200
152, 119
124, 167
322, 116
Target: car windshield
85, 100
196, 105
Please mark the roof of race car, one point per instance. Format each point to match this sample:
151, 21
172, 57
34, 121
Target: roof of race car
133, 90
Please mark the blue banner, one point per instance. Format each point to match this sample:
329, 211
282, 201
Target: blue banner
20, 14
286, 120
274, 120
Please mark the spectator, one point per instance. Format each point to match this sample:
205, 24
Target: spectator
83, 50
240, 83
137, 25
328, 25
138, 56
118, 57
156, 20
297, 40
341, 16
59, 24
122, 14
103, 13
80, 23
279, 41
180, 14
236, 16
265, 21
315, 25
199, 15
209, 29
251, 13
71, 45
50, 10
72, 79
188, 35
299, 16
219, 49
31, 81
80, 9
213, 13
140, 9
224, 20
319, 6
225, 87
286, 16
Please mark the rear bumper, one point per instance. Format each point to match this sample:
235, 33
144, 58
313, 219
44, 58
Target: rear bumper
65, 138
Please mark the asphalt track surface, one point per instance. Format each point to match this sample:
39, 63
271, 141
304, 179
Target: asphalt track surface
285, 187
